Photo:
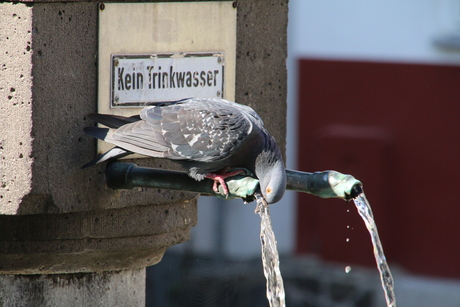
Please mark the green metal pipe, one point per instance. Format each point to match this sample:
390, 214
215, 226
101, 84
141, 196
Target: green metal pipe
327, 184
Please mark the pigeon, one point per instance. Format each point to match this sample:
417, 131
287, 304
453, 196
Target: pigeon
211, 137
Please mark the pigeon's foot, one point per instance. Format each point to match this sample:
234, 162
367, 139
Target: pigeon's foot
219, 178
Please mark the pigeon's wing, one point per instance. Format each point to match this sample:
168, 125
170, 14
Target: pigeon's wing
202, 130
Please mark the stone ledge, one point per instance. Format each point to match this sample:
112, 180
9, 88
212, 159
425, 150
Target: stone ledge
93, 241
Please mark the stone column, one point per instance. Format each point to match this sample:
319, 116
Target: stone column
65, 238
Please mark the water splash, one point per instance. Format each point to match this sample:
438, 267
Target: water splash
270, 258
365, 212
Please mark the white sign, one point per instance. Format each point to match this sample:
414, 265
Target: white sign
138, 80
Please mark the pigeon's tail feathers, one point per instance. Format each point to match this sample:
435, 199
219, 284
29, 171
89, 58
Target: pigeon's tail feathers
112, 154
97, 132
102, 134
113, 121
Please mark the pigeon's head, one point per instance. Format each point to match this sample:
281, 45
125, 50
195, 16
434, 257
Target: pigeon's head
272, 177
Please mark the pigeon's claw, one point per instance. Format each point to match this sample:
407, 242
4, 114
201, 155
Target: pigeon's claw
219, 178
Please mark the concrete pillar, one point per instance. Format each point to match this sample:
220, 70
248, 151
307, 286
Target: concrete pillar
65, 238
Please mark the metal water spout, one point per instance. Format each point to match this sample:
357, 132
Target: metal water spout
326, 184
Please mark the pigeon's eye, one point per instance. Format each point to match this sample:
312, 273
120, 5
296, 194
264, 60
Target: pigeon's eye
268, 190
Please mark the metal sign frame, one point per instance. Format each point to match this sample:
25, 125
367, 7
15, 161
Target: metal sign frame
146, 80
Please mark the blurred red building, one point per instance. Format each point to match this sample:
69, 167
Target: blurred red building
395, 127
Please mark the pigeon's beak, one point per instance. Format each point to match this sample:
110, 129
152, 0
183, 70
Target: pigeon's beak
265, 192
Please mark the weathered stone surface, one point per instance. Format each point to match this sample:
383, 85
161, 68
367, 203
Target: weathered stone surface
15, 105
120, 288
261, 75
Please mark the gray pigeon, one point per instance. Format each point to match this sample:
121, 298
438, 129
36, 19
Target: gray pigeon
206, 135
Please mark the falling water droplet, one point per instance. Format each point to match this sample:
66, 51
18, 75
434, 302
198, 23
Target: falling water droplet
347, 240
347, 269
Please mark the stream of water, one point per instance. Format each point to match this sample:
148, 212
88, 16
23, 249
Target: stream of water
365, 212
270, 257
